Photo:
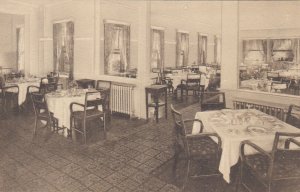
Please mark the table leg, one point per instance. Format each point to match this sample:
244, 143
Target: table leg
166, 105
147, 115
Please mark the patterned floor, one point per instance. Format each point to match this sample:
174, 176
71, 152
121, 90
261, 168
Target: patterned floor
135, 157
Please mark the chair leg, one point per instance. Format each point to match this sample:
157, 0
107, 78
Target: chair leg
187, 175
104, 126
35, 126
239, 179
84, 131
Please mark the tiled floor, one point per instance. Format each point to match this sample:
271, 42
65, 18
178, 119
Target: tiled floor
136, 156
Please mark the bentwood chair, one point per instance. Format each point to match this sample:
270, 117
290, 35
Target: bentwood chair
42, 113
293, 115
199, 148
88, 111
282, 164
212, 101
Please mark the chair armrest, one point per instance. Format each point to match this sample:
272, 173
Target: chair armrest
75, 103
254, 146
9, 87
191, 120
201, 135
291, 140
32, 86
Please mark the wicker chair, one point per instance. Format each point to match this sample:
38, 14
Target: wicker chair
281, 164
90, 112
293, 116
212, 101
197, 147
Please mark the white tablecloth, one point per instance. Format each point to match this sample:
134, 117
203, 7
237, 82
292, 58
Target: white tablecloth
23, 89
183, 76
59, 105
234, 126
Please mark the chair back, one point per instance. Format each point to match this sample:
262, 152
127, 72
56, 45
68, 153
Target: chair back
293, 115
283, 153
213, 101
48, 87
102, 84
193, 80
92, 100
39, 103
2, 81
179, 129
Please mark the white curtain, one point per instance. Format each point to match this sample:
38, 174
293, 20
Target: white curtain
63, 48
217, 48
20, 49
117, 41
182, 50
155, 52
202, 49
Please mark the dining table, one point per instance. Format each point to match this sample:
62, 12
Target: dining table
235, 126
59, 104
23, 84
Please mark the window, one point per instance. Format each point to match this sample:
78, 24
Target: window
117, 50
202, 49
182, 49
270, 65
157, 48
63, 48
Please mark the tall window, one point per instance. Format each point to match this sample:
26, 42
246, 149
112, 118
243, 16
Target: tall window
157, 48
117, 50
63, 48
217, 50
202, 49
20, 48
182, 49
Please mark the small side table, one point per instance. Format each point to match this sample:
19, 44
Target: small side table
156, 91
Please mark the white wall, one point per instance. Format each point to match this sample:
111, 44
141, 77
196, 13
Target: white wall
8, 48
192, 16
31, 31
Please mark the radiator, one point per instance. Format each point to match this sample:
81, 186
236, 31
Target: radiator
270, 110
122, 98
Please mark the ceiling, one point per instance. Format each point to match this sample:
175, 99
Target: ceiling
37, 3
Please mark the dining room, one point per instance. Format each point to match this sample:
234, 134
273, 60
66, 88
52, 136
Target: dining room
111, 95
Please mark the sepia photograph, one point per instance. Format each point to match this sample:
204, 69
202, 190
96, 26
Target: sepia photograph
149, 96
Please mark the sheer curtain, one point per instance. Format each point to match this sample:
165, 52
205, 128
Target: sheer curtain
117, 46
20, 48
202, 49
63, 48
157, 49
217, 49
182, 49
255, 50
296, 51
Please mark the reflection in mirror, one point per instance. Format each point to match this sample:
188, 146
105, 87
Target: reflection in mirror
270, 65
